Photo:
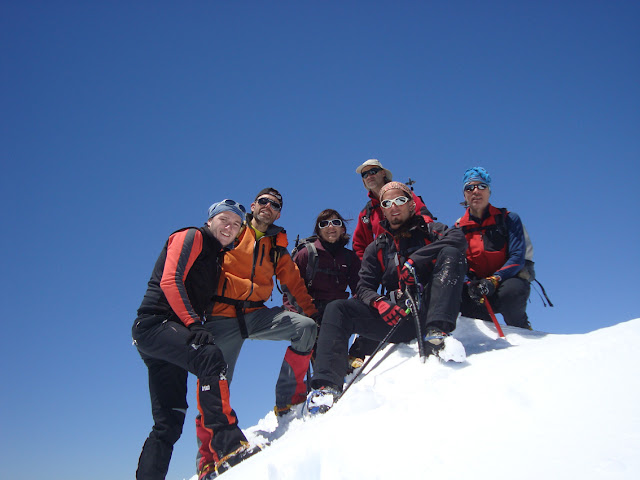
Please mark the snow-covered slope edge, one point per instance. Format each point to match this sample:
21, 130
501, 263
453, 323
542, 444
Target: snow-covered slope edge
532, 406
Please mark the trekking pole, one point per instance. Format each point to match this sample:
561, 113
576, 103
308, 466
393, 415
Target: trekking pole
416, 320
378, 348
493, 315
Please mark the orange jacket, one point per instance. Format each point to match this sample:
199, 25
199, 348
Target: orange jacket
248, 269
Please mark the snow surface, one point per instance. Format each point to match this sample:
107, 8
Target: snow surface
531, 406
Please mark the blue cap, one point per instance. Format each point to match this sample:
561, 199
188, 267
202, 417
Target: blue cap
227, 205
476, 174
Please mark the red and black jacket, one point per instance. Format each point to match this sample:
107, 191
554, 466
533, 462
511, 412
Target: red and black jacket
185, 276
496, 243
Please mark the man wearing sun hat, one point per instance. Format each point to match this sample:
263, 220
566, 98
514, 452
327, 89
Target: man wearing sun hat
374, 176
172, 342
497, 251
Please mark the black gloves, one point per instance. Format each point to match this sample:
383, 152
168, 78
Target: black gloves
389, 313
479, 288
199, 335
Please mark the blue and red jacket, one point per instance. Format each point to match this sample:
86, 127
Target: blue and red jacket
496, 243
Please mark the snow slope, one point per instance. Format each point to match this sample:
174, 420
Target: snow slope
532, 406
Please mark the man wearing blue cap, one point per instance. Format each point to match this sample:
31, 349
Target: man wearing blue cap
496, 255
172, 342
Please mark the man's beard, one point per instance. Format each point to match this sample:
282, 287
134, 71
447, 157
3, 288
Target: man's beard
396, 222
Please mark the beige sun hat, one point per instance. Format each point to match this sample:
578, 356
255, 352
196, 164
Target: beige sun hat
374, 163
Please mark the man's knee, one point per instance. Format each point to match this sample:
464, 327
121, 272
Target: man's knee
207, 361
168, 425
306, 330
334, 313
514, 290
453, 257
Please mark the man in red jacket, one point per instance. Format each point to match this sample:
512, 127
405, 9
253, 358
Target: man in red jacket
374, 176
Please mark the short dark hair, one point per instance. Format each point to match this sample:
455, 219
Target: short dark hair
270, 191
326, 215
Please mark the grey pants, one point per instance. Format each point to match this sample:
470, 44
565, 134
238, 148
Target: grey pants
273, 323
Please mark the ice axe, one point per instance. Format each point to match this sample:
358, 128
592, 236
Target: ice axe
492, 315
413, 306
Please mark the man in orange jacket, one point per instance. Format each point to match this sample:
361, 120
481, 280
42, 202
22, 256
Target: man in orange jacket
246, 282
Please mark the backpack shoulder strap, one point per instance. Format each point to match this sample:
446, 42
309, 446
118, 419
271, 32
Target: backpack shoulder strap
501, 222
382, 250
312, 262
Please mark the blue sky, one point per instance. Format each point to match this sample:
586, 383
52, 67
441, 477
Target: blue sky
123, 121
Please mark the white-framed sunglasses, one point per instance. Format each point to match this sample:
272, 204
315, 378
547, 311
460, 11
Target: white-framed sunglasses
336, 222
395, 201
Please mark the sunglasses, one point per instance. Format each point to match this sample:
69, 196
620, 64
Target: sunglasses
371, 171
396, 201
480, 186
336, 222
233, 203
274, 205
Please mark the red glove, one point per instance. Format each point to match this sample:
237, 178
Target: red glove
408, 274
389, 313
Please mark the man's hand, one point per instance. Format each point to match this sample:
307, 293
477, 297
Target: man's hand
199, 335
407, 274
389, 313
480, 288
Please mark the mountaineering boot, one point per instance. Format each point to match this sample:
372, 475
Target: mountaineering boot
355, 362
321, 400
282, 411
289, 410
444, 346
434, 341
231, 460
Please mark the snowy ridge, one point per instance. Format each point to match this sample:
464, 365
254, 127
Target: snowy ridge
532, 406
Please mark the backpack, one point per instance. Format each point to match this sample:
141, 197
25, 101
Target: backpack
312, 262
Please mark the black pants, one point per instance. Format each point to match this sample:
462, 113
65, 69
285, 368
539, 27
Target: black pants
362, 347
163, 346
510, 300
343, 318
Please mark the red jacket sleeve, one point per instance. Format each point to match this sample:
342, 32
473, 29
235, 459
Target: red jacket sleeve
182, 250
362, 235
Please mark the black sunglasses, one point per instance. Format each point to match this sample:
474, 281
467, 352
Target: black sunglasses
371, 171
274, 205
471, 187
336, 222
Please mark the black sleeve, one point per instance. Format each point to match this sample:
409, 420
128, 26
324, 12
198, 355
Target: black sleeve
441, 236
370, 275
